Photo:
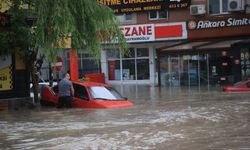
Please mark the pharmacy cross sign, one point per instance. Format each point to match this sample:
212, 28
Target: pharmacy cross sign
57, 66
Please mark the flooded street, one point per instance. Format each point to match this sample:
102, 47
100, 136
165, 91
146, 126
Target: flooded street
163, 118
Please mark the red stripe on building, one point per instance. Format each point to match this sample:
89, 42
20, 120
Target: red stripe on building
168, 31
73, 62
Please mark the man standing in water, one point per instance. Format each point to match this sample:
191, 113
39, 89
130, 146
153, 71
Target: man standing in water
66, 91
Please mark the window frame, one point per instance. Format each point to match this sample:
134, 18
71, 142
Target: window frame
77, 91
158, 15
135, 58
221, 12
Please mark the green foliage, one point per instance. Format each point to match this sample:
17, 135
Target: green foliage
90, 26
17, 35
84, 79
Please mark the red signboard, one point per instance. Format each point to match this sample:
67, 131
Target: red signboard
168, 31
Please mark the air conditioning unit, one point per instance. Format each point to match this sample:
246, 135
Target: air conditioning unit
236, 5
197, 10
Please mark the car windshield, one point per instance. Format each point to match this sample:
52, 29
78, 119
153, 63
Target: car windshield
104, 93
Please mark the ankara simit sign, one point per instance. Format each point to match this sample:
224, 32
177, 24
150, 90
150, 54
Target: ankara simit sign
125, 6
207, 24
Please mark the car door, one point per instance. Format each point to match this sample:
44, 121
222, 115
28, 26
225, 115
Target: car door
81, 97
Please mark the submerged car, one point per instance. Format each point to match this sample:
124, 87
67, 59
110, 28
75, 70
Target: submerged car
241, 86
88, 95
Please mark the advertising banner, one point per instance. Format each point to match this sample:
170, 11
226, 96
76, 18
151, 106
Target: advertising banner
6, 73
126, 6
221, 23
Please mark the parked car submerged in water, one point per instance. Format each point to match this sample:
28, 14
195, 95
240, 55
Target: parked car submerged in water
88, 95
241, 86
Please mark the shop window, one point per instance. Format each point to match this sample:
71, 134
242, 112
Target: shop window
128, 69
142, 69
217, 7
114, 70
88, 66
113, 54
245, 63
132, 66
142, 52
157, 15
126, 18
130, 54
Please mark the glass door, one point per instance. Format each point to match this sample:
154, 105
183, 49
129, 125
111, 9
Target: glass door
174, 71
190, 71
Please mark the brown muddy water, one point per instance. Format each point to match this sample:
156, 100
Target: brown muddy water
162, 119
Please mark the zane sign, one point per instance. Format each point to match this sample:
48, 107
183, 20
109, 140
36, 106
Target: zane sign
125, 6
138, 33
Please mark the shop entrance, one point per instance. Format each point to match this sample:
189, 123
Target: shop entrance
194, 69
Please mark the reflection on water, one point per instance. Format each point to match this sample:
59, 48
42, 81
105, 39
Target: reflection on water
163, 118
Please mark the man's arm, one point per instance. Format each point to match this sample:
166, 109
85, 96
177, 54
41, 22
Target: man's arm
72, 91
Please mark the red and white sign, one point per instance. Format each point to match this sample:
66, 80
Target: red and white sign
58, 65
154, 32
170, 31
138, 33
224, 22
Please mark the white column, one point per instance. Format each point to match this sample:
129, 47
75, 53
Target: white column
152, 64
104, 64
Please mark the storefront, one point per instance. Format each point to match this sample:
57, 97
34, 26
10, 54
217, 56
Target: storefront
139, 66
218, 56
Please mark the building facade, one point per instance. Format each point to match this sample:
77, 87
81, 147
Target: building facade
188, 43
177, 43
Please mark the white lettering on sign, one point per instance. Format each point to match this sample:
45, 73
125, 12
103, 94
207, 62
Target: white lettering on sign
230, 22
138, 33
210, 24
238, 22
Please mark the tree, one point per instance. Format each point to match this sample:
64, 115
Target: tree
88, 24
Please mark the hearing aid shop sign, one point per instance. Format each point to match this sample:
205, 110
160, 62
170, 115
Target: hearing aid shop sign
207, 24
125, 6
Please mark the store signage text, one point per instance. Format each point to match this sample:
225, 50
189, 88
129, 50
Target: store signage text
230, 22
124, 6
154, 32
137, 33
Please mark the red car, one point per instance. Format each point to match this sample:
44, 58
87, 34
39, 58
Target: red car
88, 95
241, 86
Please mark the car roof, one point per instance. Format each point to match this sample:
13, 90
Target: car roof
88, 83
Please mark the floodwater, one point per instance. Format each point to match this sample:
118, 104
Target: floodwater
162, 119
